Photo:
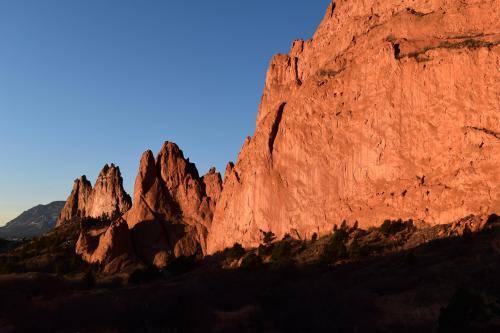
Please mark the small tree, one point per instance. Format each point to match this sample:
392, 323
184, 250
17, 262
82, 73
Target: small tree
236, 252
268, 237
251, 261
281, 251
335, 249
355, 250
355, 226
314, 237
343, 226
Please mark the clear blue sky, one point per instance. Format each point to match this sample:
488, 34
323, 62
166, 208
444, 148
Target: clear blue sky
89, 82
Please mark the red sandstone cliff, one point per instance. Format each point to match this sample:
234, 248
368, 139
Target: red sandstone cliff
391, 110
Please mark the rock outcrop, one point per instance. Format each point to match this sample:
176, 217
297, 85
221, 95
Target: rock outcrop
390, 111
173, 207
107, 198
170, 217
77, 202
111, 246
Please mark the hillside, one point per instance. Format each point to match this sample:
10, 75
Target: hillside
33, 222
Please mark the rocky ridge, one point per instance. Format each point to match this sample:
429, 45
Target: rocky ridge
170, 216
33, 222
390, 111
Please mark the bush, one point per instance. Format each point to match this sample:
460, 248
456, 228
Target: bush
335, 249
392, 227
355, 226
314, 237
268, 237
235, 252
281, 251
355, 250
251, 261
264, 250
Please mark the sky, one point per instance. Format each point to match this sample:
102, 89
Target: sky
89, 82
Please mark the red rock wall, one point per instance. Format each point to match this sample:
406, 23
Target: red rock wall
391, 110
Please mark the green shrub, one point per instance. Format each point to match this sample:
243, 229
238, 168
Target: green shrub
392, 227
355, 226
281, 251
235, 252
314, 237
335, 249
355, 250
268, 237
251, 261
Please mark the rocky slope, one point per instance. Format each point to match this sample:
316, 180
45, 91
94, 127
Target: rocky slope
391, 110
33, 222
107, 198
171, 214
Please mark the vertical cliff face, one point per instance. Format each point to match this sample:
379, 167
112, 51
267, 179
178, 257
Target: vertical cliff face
391, 110
107, 198
77, 202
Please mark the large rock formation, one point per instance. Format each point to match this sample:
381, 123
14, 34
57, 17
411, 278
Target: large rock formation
171, 214
107, 198
173, 207
77, 202
391, 110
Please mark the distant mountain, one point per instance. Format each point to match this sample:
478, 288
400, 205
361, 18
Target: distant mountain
33, 222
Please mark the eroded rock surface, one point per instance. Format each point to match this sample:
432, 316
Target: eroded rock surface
170, 217
390, 111
77, 202
107, 198
173, 206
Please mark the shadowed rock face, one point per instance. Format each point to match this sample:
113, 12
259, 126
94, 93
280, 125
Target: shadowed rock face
173, 207
77, 202
389, 111
107, 198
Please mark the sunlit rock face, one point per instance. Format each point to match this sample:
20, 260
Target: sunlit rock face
106, 199
390, 111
